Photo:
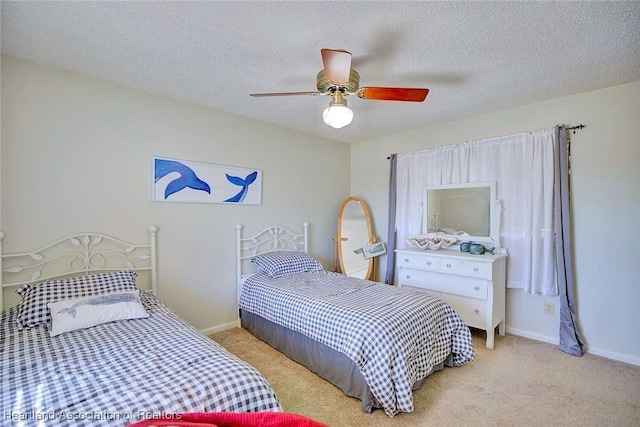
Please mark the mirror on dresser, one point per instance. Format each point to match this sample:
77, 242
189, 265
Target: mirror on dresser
470, 211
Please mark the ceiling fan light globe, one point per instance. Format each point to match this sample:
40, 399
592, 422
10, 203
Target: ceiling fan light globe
337, 116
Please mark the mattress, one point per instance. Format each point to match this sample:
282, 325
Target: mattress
395, 337
122, 372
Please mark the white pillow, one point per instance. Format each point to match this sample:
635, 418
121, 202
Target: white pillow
79, 313
33, 310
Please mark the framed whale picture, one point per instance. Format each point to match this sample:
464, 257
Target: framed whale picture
194, 182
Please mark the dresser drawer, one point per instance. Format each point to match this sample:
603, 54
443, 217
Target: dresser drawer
416, 278
473, 312
466, 286
466, 268
422, 261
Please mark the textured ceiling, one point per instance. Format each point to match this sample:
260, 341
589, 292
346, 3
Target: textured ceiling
475, 57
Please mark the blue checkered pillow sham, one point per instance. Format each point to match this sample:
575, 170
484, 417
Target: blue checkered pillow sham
280, 263
33, 310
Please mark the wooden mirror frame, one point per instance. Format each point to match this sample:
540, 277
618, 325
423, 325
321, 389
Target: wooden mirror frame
341, 248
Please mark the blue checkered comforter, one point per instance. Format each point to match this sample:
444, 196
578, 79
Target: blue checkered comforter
395, 336
121, 372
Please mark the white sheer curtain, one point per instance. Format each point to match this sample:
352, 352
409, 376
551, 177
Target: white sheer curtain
523, 167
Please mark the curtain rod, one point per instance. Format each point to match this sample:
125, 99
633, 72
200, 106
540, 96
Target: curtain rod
572, 128
577, 127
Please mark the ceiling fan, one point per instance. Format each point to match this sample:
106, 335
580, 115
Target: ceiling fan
338, 80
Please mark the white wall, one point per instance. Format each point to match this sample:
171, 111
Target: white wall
605, 201
77, 156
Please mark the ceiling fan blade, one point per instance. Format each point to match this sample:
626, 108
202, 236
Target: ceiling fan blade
393, 93
284, 94
337, 65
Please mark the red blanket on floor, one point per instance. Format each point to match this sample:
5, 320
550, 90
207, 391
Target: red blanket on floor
230, 419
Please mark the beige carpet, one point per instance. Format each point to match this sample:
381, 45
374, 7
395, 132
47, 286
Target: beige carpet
520, 383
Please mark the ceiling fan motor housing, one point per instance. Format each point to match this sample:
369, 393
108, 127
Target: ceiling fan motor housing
325, 85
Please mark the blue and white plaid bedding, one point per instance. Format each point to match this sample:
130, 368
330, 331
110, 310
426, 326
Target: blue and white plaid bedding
121, 372
395, 336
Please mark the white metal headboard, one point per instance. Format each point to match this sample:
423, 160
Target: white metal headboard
77, 254
274, 238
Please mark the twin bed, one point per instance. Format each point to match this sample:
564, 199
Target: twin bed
374, 341
87, 346
113, 373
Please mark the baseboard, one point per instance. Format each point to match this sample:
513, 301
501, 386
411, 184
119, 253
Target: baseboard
537, 337
219, 328
626, 358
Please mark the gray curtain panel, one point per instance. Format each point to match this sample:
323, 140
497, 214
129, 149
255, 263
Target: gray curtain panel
391, 237
570, 340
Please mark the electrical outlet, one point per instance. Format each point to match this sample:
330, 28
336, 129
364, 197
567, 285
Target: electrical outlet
548, 308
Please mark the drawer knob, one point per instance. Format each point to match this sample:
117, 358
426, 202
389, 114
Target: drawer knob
406, 260
477, 288
477, 311
428, 262
448, 265
408, 277
475, 268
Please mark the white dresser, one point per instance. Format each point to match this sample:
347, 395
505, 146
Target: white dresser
474, 285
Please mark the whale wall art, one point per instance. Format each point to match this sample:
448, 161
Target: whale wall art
195, 182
